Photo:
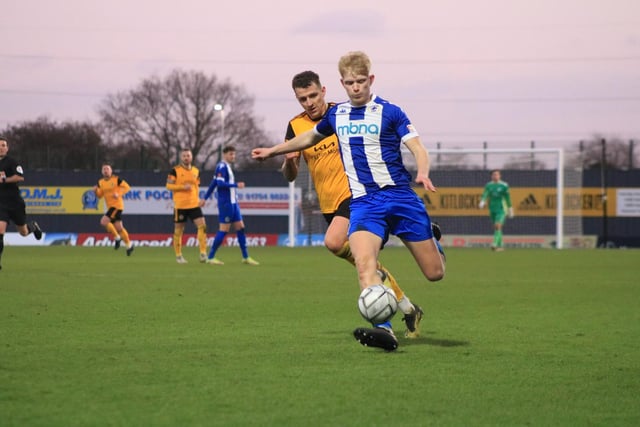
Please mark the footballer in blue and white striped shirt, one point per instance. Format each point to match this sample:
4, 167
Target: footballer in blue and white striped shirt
370, 132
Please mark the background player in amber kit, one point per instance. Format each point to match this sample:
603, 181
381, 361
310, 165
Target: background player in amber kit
330, 182
12, 207
184, 182
113, 189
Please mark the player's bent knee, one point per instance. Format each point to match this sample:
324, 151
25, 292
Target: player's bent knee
334, 245
435, 276
333, 248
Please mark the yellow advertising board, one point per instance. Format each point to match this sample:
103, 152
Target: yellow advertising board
527, 201
60, 200
448, 201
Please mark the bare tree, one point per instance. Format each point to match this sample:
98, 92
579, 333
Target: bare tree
524, 162
452, 161
618, 152
180, 111
45, 144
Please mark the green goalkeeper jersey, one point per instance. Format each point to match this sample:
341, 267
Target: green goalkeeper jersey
497, 193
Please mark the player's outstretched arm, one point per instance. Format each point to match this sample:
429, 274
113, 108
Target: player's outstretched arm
298, 143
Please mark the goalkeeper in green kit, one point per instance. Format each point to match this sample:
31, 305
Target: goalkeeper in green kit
497, 192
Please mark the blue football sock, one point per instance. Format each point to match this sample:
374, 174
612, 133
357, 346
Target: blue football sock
216, 243
242, 242
386, 325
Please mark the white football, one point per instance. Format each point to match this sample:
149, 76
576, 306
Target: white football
377, 304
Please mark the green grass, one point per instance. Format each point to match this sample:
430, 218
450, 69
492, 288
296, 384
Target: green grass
89, 337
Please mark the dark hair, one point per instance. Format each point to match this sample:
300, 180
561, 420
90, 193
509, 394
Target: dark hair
228, 148
305, 79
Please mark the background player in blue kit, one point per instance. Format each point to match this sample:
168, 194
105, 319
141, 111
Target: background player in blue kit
228, 208
370, 131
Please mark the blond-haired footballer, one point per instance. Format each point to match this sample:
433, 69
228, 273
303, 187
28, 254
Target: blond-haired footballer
331, 184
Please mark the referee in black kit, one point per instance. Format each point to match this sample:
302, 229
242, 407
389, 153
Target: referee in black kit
12, 207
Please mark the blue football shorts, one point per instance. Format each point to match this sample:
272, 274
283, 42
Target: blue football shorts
229, 213
391, 210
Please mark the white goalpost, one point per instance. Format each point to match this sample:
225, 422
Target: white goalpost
559, 166
540, 185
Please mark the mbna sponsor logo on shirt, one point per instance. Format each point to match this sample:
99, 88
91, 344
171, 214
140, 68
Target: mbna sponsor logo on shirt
359, 128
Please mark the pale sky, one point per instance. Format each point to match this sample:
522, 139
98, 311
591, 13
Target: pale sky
506, 72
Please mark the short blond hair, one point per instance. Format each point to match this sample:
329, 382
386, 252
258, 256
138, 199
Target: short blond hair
355, 62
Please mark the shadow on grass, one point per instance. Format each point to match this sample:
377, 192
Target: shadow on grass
440, 342
422, 340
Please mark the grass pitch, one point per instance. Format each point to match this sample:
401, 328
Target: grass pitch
89, 336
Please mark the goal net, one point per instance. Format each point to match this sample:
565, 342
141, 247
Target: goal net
306, 222
546, 198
